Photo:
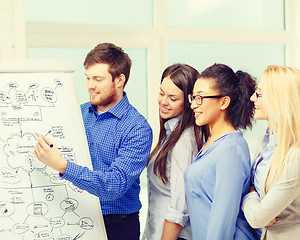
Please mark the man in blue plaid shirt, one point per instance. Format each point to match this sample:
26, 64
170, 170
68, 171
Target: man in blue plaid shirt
119, 140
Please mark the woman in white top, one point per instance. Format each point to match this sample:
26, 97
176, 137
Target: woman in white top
277, 201
179, 142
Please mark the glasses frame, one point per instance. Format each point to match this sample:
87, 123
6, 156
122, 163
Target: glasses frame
192, 97
258, 95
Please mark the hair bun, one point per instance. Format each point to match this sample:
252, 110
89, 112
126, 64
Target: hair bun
240, 75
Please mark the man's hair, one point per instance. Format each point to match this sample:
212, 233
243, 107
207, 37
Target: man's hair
117, 60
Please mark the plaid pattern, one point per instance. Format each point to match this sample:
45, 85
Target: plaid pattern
119, 142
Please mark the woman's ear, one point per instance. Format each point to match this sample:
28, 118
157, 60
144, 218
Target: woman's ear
120, 81
225, 101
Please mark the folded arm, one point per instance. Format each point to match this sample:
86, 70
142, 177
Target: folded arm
259, 212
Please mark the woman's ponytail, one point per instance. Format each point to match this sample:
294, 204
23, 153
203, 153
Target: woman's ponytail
239, 87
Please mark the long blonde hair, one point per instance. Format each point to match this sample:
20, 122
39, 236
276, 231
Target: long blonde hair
281, 98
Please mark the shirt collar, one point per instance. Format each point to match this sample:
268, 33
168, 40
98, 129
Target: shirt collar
171, 124
271, 138
117, 110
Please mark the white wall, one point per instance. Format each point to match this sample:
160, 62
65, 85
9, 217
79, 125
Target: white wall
12, 27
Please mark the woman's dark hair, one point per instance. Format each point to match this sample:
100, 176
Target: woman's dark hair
117, 60
184, 77
239, 87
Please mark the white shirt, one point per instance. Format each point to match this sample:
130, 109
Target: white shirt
167, 201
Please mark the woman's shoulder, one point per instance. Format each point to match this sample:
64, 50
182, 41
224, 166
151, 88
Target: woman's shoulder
234, 141
293, 161
294, 152
186, 143
187, 135
234, 148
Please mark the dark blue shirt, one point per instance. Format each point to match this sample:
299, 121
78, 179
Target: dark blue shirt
119, 142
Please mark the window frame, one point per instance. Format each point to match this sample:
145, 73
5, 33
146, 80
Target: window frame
155, 40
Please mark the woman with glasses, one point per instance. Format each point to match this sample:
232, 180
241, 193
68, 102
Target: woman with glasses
274, 201
220, 175
179, 141
265, 152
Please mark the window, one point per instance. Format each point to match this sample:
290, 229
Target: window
246, 35
227, 14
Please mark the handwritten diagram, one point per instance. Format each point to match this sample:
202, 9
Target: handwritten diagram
35, 202
17, 104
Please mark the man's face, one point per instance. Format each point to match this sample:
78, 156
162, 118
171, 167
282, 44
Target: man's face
101, 87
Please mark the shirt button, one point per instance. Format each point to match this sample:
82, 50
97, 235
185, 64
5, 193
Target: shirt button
92, 143
97, 123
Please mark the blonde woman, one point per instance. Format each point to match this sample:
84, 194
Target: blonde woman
277, 100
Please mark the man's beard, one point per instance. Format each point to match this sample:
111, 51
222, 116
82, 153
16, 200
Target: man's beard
107, 100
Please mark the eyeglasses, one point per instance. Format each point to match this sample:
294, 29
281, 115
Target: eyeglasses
258, 94
199, 98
